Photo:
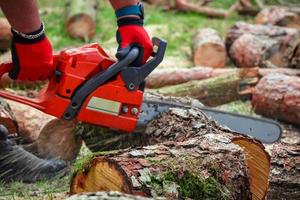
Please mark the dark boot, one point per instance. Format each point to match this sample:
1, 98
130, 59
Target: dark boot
16, 164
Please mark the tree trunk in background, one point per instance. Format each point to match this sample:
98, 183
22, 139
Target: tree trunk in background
81, 18
251, 50
187, 152
279, 16
209, 49
287, 38
278, 96
214, 91
170, 76
5, 34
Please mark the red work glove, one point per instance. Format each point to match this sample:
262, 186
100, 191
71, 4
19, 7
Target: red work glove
32, 56
131, 33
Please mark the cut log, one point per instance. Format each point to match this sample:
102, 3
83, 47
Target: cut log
287, 38
280, 16
41, 134
57, 140
81, 18
170, 76
185, 5
5, 34
278, 96
214, 91
209, 49
188, 153
251, 50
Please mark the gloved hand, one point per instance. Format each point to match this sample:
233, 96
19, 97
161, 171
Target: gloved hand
32, 56
131, 33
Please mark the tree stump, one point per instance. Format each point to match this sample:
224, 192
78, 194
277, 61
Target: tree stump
278, 96
5, 34
280, 16
81, 18
108, 196
287, 38
209, 49
188, 155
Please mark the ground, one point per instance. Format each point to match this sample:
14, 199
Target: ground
175, 27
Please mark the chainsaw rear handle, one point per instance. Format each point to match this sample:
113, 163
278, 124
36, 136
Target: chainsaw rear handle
5, 68
121, 66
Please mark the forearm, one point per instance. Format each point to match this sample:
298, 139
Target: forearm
117, 4
23, 15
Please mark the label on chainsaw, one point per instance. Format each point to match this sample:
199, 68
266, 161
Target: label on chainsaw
104, 106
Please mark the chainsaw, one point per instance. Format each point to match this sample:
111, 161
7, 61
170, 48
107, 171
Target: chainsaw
88, 86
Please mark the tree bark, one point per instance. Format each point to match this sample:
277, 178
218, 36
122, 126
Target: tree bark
170, 76
185, 5
287, 38
279, 16
209, 49
278, 96
187, 151
5, 34
81, 18
230, 87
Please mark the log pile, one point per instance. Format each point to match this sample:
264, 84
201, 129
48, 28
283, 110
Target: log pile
186, 153
249, 45
81, 18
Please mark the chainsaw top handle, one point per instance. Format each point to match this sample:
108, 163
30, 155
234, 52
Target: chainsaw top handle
132, 76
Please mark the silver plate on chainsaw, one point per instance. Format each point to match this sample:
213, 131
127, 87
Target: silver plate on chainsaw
104, 106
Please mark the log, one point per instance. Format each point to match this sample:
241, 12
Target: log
170, 76
278, 96
186, 6
230, 87
244, 7
287, 38
81, 18
279, 16
7, 117
5, 34
251, 50
186, 153
209, 49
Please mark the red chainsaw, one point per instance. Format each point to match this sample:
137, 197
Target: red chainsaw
89, 86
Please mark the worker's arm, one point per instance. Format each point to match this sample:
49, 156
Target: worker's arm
31, 50
130, 17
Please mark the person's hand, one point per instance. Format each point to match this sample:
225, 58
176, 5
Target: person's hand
131, 33
32, 56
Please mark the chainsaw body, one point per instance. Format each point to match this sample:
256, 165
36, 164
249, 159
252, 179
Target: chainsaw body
90, 87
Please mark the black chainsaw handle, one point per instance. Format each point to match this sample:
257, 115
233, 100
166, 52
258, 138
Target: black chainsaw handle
134, 76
